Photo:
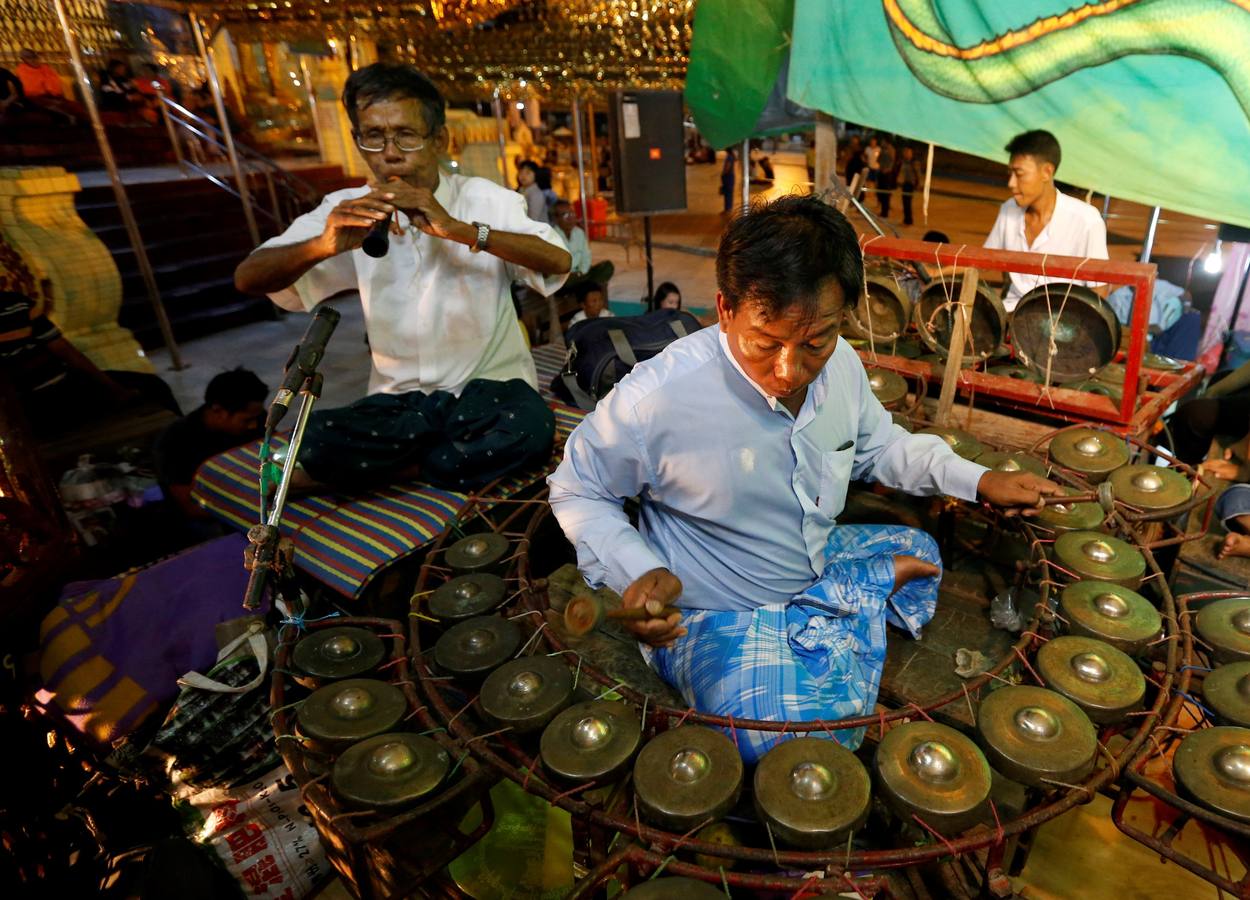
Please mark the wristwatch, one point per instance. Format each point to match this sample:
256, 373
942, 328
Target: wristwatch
483, 235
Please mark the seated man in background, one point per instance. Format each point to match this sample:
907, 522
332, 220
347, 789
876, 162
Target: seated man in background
1040, 218
59, 387
593, 301
233, 413
452, 396
740, 443
43, 88
579, 249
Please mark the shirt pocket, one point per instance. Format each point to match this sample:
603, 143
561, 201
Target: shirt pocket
835, 476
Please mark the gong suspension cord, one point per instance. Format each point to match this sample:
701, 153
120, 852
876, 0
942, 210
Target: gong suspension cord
872, 340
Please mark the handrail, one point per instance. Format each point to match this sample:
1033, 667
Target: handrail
298, 193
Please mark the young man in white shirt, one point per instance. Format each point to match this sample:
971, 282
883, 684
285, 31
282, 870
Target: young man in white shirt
452, 392
1039, 218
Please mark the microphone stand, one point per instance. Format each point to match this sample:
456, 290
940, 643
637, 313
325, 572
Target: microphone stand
265, 554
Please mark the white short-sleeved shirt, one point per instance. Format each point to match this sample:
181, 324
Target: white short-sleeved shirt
1075, 229
437, 314
579, 249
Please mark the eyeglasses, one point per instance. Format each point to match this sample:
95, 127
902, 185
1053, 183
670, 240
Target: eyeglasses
404, 144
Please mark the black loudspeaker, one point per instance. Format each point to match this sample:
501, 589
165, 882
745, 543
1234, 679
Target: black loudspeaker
648, 151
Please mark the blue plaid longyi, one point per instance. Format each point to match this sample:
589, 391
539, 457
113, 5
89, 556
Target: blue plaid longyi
796, 662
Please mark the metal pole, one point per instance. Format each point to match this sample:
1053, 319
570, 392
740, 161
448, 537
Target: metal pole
119, 190
306, 74
592, 150
746, 173
581, 164
1149, 244
214, 85
497, 105
169, 128
646, 237
1106, 206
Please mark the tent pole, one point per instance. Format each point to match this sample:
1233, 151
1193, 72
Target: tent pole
119, 189
581, 164
497, 106
746, 173
1149, 244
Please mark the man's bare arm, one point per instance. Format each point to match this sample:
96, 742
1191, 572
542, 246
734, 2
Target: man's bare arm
271, 269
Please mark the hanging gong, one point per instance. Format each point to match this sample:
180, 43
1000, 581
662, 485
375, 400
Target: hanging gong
1225, 626
1100, 557
1103, 681
1035, 736
1019, 373
687, 775
1226, 692
1066, 327
963, 443
934, 315
475, 646
1111, 373
933, 771
1064, 517
526, 693
466, 596
1162, 363
483, 552
888, 387
812, 792
671, 888
1093, 386
591, 741
390, 770
1089, 452
881, 312
1212, 766
1112, 613
344, 652
1150, 487
347, 711
1011, 462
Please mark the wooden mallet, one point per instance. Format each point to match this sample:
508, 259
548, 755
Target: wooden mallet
584, 613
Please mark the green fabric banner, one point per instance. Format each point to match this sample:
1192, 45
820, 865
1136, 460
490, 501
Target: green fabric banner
1150, 99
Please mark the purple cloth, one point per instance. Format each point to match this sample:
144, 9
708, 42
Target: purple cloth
150, 627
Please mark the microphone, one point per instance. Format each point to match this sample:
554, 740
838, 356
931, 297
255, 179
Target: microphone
303, 362
378, 240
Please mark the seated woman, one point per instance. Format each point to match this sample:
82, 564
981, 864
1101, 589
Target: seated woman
667, 296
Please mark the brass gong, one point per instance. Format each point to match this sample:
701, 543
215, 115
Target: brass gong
1064, 330
934, 315
527, 693
347, 711
1100, 557
390, 770
933, 771
483, 552
1212, 766
466, 596
1011, 462
344, 652
1089, 452
1019, 373
881, 312
1225, 626
1064, 517
1162, 363
1150, 487
812, 792
963, 443
1112, 613
674, 888
1035, 736
888, 387
687, 775
475, 646
1226, 692
591, 741
1093, 386
1103, 681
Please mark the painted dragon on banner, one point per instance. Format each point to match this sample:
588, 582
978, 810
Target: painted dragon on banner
1020, 61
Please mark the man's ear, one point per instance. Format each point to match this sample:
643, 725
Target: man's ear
724, 314
442, 139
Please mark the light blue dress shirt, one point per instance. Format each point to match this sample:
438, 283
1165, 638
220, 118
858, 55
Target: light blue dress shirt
738, 497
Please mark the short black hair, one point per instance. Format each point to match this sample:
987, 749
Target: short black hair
529, 164
665, 288
389, 81
586, 288
1041, 145
936, 237
235, 389
779, 254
